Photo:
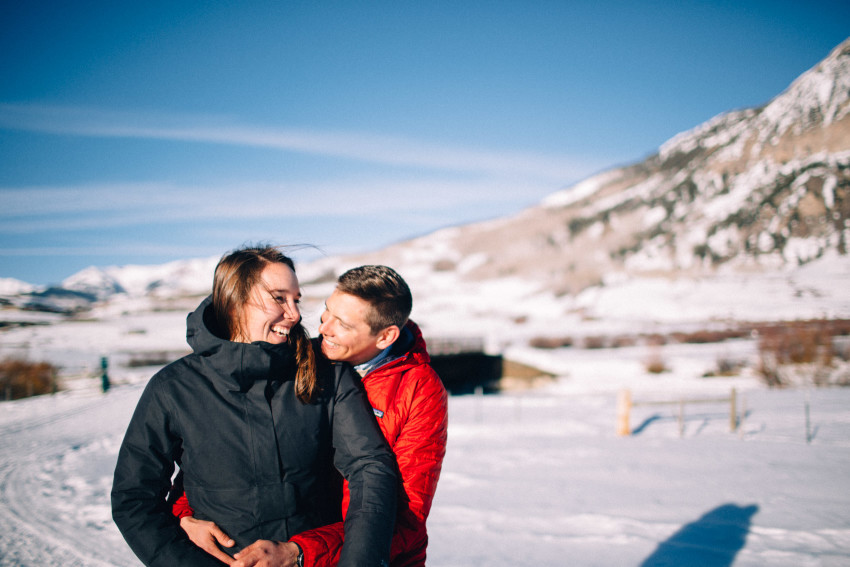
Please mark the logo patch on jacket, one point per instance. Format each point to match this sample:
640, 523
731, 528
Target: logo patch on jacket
378, 413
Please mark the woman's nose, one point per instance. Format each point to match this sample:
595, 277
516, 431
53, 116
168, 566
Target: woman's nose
291, 311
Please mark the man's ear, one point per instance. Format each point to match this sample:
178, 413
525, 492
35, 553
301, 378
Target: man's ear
388, 336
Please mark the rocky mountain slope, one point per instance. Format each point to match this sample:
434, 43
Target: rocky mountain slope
755, 189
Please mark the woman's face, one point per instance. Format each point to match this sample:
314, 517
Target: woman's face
272, 307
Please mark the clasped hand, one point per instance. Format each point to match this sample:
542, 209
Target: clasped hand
262, 553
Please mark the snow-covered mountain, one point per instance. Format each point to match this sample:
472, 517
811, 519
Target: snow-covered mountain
181, 277
762, 191
11, 286
757, 189
92, 285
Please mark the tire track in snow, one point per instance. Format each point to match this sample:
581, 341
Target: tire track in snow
55, 475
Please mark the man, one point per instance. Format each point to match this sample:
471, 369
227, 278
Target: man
365, 323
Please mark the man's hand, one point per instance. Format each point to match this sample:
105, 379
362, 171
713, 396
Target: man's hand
205, 535
265, 553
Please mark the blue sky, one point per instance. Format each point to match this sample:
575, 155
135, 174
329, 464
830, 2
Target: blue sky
144, 132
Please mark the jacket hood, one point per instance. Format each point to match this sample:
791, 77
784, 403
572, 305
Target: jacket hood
238, 364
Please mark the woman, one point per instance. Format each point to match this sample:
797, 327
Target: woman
254, 419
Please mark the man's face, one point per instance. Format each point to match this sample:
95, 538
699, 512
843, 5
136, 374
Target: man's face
346, 335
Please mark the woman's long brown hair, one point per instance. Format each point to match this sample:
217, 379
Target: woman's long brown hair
235, 277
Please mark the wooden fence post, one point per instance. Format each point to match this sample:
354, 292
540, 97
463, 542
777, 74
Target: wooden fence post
624, 406
681, 418
808, 420
733, 414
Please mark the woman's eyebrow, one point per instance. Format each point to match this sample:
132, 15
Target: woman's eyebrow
281, 290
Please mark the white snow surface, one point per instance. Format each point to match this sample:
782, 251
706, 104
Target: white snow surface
533, 477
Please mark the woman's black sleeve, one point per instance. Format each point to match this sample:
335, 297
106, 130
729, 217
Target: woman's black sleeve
141, 482
365, 460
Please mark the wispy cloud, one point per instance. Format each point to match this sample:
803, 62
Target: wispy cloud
410, 187
130, 249
40, 209
387, 150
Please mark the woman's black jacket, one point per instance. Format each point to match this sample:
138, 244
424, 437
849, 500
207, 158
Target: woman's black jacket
254, 458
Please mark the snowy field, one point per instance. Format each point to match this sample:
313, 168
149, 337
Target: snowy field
538, 477
533, 477
543, 479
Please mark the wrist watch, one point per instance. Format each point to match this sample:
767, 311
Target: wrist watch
299, 562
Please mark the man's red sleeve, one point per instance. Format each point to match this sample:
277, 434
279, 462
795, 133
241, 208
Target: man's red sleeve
180, 507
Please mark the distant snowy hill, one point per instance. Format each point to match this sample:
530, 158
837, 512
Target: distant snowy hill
182, 277
178, 278
11, 286
156, 285
94, 281
742, 208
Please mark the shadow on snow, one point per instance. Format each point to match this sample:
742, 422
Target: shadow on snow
704, 418
711, 541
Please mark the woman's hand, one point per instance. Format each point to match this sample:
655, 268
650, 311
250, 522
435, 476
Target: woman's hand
265, 553
206, 535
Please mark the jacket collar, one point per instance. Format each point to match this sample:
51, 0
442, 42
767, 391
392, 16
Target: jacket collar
238, 365
409, 348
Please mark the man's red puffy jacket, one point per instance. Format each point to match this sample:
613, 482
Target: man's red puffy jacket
411, 406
